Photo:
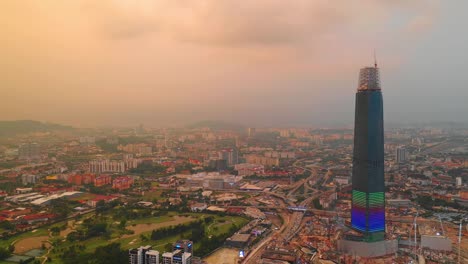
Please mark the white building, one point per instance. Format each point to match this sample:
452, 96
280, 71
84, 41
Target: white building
143, 255
176, 257
458, 181
29, 179
117, 166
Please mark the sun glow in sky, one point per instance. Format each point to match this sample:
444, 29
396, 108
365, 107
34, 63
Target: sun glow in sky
265, 62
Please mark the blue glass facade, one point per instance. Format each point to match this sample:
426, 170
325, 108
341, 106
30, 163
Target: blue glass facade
368, 196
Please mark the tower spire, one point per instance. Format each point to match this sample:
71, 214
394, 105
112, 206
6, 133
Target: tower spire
375, 60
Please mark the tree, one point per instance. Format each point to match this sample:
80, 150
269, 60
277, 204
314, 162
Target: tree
122, 224
60, 207
110, 254
317, 204
7, 225
4, 253
168, 247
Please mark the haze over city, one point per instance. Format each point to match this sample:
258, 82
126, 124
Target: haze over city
233, 132
268, 63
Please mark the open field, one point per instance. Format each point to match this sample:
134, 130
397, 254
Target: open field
150, 220
30, 243
141, 227
223, 256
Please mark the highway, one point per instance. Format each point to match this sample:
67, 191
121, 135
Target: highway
292, 222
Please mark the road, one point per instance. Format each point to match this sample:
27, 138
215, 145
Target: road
255, 255
292, 222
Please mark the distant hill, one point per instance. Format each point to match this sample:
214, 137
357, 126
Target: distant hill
10, 128
216, 125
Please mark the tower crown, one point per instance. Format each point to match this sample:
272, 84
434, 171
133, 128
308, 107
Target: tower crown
369, 79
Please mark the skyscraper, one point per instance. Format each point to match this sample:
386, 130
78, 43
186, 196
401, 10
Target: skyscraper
368, 194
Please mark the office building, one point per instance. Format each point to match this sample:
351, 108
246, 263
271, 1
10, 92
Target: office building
368, 194
368, 182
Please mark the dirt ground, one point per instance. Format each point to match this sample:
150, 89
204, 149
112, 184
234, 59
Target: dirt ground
30, 243
223, 256
69, 229
140, 228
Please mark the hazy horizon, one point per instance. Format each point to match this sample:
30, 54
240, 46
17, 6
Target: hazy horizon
265, 63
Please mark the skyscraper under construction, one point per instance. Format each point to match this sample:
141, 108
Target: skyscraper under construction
368, 195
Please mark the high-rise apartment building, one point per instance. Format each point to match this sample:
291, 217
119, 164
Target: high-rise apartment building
231, 156
184, 245
251, 131
143, 255
401, 154
176, 257
29, 151
368, 193
116, 166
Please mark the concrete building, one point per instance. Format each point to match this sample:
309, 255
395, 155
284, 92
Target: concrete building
86, 141
440, 243
262, 160
177, 257
368, 181
29, 179
101, 166
184, 246
143, 255
122, 183
29, 151
115, 166
102, 180
231, 156
251, 132
238, 240
280, 154
401, 154
368, 194
247, 169
210, 180
459, 181
152, 257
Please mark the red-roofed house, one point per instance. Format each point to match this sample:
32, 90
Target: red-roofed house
34, 218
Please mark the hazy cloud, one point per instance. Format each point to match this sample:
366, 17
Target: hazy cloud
261, 22
123, 61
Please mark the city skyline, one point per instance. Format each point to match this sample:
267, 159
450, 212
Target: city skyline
85, 63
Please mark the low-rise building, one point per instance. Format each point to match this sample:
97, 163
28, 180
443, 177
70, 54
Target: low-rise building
122, 183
